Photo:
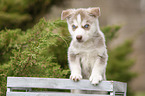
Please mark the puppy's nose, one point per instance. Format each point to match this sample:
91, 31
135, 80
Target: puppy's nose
79, 37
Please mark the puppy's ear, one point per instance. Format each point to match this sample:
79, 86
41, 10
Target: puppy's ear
65, 14
95, 12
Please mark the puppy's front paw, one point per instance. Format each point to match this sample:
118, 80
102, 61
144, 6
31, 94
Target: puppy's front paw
76, 77
95, 79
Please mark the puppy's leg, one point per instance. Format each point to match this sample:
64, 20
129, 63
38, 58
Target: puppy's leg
98, 70
74, 64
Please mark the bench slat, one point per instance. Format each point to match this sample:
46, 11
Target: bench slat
53, 83
119, 86
48, 94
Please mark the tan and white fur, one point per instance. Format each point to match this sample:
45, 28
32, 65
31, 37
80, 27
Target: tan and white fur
87, 54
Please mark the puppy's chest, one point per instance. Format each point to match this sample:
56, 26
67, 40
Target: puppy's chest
87, 58
87, 61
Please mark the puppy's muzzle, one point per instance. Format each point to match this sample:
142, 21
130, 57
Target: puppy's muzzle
79, 38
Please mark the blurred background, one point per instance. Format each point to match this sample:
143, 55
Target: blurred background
128, 14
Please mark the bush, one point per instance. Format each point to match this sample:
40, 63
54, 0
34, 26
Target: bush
42, 52
28, 53
119, 65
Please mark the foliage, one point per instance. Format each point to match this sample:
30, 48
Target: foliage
119, 65
110, 32
22, 13
118, 60
28, 53
42, 52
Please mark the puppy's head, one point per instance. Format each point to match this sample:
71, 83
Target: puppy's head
82, 23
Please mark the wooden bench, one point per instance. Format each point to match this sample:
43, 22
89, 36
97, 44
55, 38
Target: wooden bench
24, 86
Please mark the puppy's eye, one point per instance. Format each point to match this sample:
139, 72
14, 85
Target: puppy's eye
86, 26
74, 27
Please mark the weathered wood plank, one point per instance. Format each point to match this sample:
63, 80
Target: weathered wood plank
48, 94
113, 87
119, 86
53, 83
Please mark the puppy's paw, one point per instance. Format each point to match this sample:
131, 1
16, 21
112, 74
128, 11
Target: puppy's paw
76, 77
95, 79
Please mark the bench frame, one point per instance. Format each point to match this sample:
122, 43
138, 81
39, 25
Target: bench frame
27, 83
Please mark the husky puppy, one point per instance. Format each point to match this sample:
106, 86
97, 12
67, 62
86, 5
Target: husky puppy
87, 54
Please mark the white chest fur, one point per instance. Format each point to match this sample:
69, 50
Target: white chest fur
88, 54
